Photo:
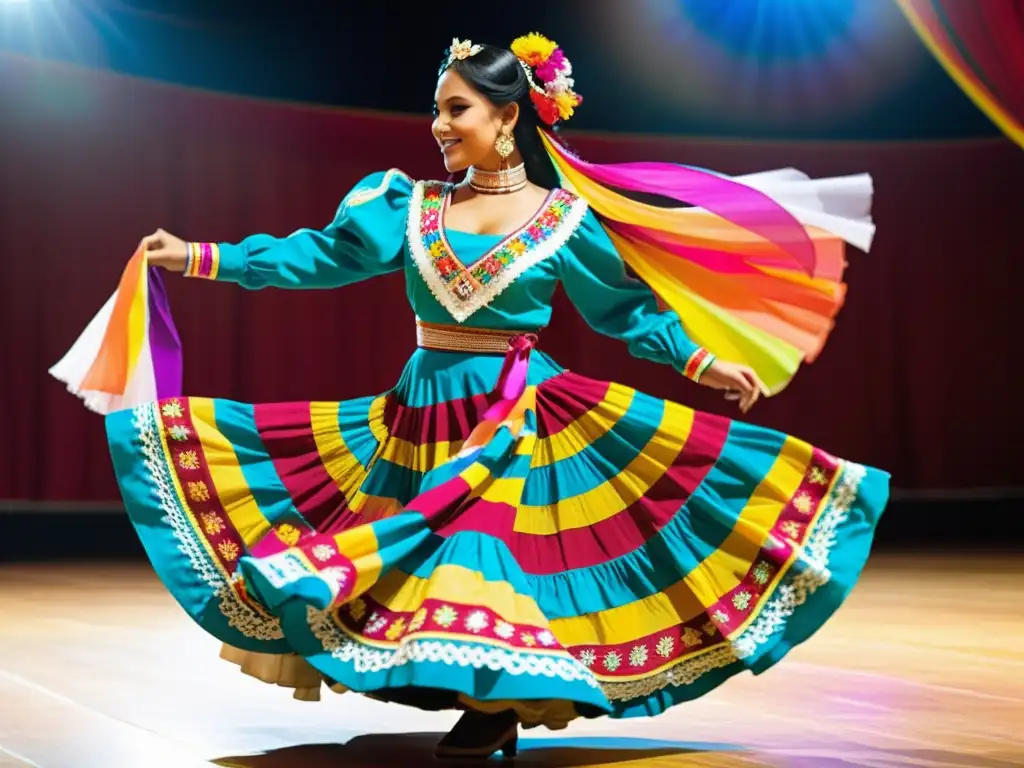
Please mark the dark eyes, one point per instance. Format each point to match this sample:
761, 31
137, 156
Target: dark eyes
455, 109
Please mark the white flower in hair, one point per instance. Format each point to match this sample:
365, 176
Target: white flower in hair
462, 49
560, 84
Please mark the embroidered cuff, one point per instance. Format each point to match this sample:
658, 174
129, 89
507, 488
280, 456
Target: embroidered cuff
203, 261
697, 364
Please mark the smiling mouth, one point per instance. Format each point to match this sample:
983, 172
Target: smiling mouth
449, 143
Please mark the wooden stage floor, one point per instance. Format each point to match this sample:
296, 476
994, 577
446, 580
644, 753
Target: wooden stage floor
924, 666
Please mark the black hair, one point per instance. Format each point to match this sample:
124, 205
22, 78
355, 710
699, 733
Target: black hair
497, 74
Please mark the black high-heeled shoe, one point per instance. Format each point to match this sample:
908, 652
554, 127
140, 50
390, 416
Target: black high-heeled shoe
478, 736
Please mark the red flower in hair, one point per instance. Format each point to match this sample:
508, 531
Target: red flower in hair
546, 108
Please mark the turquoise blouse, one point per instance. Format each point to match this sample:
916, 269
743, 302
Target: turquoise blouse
388, 223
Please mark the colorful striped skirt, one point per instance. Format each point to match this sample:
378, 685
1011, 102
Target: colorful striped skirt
577, 549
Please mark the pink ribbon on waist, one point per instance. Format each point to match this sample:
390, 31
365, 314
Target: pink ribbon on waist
511, 386
512, 379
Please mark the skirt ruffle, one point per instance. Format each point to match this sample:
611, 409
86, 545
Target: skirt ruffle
603, 552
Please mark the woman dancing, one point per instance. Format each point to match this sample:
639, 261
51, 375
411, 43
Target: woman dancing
495, 534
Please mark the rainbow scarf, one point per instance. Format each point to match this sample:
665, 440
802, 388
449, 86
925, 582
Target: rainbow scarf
755, 280
130, 352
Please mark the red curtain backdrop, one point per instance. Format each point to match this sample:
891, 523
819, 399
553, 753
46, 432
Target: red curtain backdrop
918, 377
981, 44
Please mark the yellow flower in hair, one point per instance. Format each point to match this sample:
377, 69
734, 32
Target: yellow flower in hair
567, 103
533, 48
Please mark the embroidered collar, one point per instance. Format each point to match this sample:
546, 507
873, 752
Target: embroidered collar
463, 290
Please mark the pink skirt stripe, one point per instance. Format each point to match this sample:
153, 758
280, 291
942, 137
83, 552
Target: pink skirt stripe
287, 434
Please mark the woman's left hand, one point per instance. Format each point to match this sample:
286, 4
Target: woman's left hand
739, 382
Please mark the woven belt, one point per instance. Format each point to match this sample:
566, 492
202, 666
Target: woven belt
457, 338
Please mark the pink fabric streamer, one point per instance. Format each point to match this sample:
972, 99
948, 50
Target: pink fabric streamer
735, 202
723, 262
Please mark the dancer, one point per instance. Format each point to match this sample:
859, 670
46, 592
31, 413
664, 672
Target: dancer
495, 534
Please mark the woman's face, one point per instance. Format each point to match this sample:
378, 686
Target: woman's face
466, 125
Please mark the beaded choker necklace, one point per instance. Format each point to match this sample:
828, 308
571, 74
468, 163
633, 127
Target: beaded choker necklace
497, 182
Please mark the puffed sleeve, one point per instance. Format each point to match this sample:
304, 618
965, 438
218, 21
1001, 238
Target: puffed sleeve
620, 306
365, 239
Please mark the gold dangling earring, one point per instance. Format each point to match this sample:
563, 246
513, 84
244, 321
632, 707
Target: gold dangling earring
505, 145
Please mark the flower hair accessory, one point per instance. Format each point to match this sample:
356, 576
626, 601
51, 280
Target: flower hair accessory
462, 49
550, 76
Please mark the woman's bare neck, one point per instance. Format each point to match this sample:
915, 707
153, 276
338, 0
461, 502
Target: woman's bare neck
490, 214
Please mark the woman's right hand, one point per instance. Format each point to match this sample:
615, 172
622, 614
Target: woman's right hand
165, 250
